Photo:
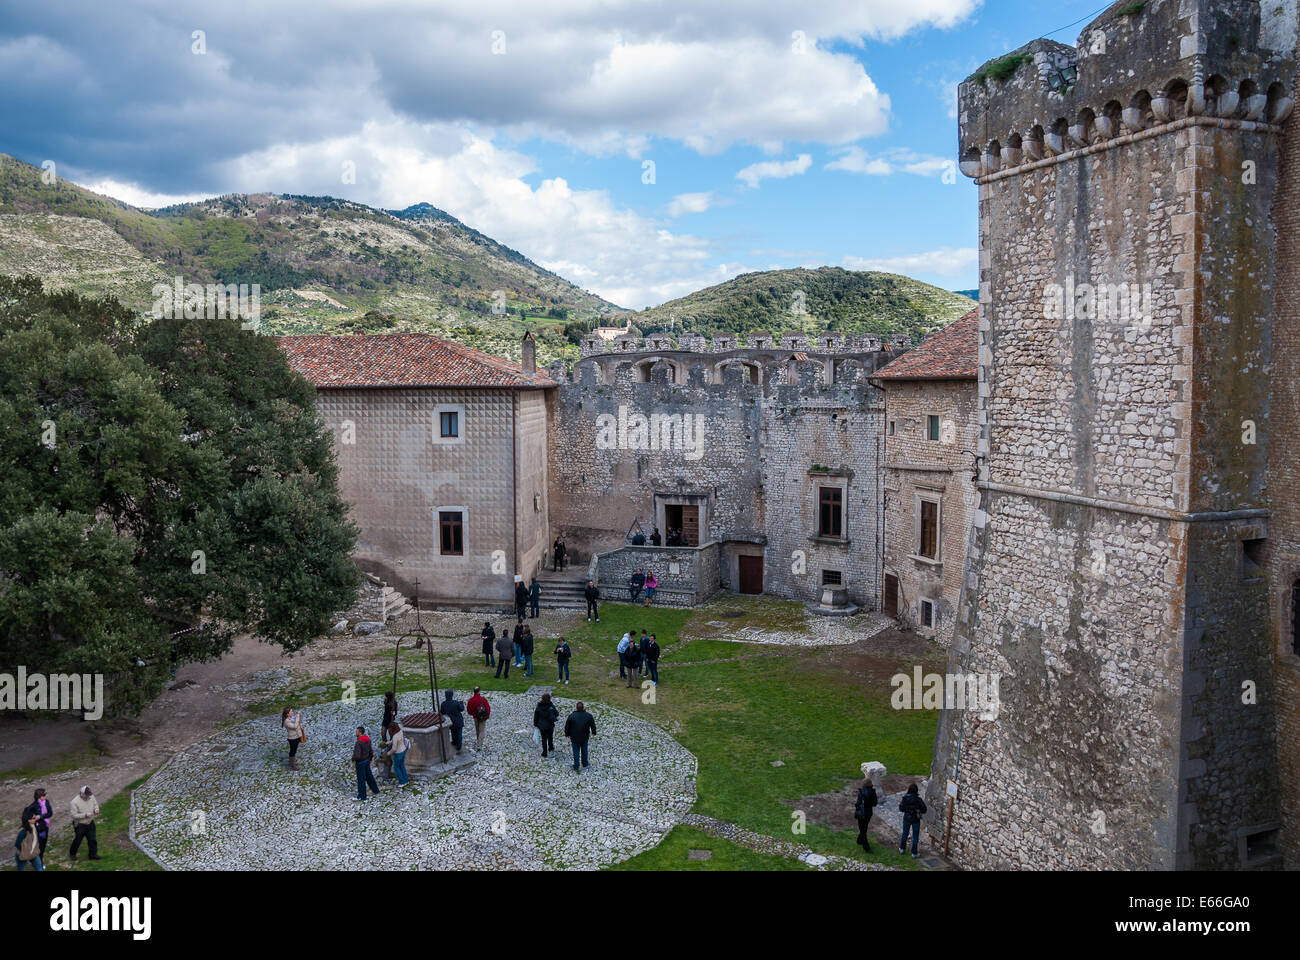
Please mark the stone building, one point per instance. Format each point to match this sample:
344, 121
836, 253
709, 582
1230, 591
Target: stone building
765, 453
929, 490
1117, 576
442, 456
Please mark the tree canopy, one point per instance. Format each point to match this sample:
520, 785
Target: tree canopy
155, 478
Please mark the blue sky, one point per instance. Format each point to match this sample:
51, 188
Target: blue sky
781, 133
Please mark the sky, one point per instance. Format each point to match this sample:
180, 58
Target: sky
642, 149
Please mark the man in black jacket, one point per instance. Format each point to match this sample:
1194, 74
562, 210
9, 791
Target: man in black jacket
362, 754
562, 655
592, 594
521, 599
913, 808
650, 652
862, 809
489, 638
454, 711
579, 728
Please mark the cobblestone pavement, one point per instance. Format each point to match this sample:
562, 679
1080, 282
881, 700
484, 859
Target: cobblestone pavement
230, 801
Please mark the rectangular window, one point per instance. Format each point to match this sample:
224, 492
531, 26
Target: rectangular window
927, 613
452, 533
891, 428
929, 546
449, 422
1295, 618
830, 521
832, 578
932, 427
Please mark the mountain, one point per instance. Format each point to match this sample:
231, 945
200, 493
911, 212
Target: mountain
827, 298
323, 265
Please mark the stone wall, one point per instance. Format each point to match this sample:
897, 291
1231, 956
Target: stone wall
397, 476
1109, 561
687, 575
916, 466
1283, 429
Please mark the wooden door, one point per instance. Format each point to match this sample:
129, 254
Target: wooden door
751, 574
691, 526
891, 595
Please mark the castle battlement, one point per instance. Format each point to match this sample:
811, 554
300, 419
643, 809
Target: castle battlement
794, 342
1138, 68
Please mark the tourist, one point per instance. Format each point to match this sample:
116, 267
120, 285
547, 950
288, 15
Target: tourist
592, 594
362, 754
913, 808
526, 651
862, 812
655, 539
44, 813
505, 652
634, 584
641, 648
480, 710
651, 584
519, 642
85, 808
562, 655
390, 712
534, 598
638, 539
489, 637
521, 598
633, 662
453, 710
651, 655
292, 723
580, 727
27, 847
544, 717
397, 747
557, 552
622, 654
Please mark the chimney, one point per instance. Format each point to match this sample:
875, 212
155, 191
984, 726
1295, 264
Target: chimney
528, 355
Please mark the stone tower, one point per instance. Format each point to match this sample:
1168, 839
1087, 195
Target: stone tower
1115, 579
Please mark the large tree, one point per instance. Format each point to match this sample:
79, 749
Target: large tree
155, 478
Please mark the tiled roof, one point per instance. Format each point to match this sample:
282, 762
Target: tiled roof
400, 360
948, 354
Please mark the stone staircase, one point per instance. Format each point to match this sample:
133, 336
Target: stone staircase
393, 603
563, 590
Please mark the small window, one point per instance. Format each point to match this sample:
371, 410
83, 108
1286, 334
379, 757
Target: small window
830, 521
449, 423
891, 428
927, 613
1295, 618
1252, 559
932, 427
452, 531
1260, 845
832, 578
929, 545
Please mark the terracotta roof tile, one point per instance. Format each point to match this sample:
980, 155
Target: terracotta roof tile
948, 354
400, 360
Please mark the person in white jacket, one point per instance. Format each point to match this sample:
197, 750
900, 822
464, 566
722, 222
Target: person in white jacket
397, 747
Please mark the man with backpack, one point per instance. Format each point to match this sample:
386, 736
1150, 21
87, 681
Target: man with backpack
913, 808
592, 595
862, 812
480, 710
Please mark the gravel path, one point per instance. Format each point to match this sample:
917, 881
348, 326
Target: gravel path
230, 802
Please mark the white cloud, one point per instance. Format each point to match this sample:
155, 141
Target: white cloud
943, 262
690, 203
774, 170
856, 160
138, 196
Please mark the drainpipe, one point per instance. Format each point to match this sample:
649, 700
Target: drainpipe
883, 455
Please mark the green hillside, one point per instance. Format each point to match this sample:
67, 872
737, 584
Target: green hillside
828, 298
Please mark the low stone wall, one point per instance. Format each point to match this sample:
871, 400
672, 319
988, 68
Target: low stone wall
687, 575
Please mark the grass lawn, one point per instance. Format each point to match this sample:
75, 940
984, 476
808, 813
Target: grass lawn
820, 711
672, 853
